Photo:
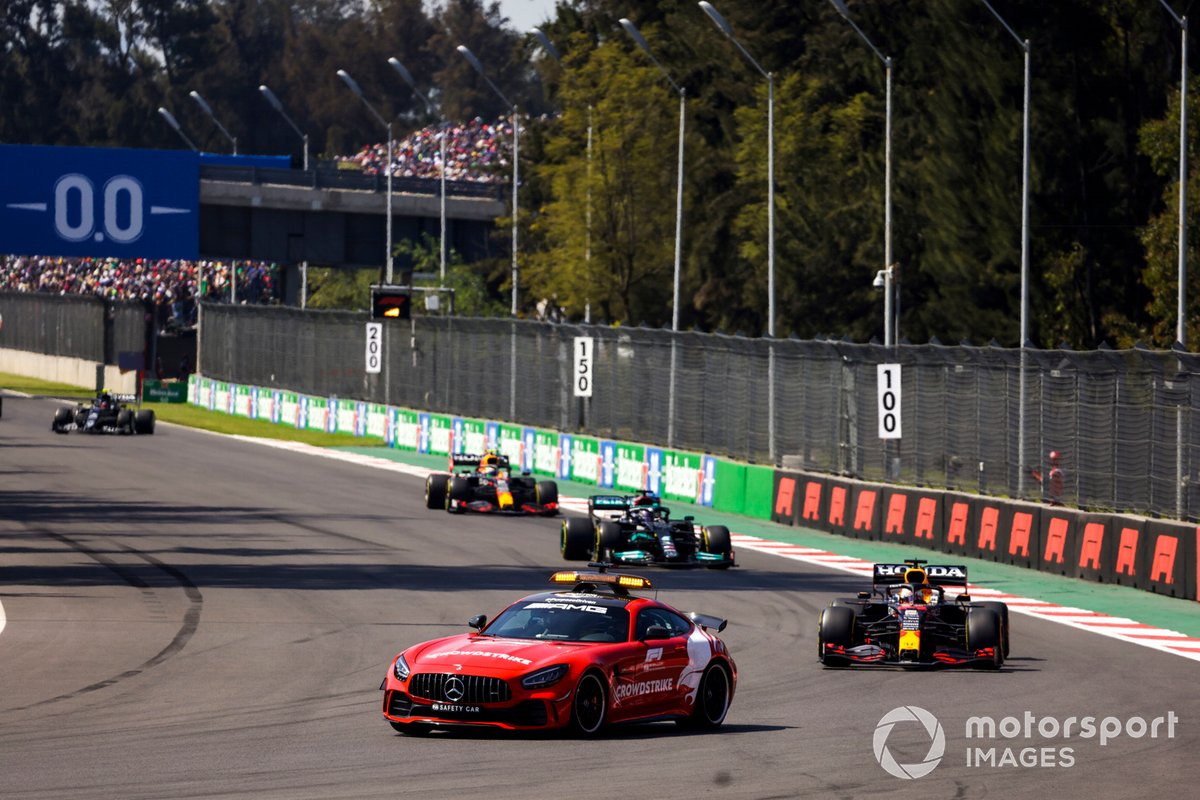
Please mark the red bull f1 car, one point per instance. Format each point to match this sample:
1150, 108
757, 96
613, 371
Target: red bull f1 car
916, 614
107, 413
581, 658
486, 484
639, 531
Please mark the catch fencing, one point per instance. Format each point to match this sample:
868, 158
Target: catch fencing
975, 418
76, 326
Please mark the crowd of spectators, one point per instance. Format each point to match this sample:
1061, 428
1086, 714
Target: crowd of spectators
174, 287
475, 151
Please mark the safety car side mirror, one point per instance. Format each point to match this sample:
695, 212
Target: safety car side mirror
477, 622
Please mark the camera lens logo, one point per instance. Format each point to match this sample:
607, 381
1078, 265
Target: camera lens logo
937, 742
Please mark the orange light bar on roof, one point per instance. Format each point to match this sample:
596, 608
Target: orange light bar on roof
628, 581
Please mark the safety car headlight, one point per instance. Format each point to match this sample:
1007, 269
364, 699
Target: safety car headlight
401, 669
544, 677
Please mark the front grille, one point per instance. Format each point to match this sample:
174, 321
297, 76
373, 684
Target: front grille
399, 704
475, 688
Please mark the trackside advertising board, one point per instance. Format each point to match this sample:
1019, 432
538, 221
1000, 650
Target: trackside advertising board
585, 460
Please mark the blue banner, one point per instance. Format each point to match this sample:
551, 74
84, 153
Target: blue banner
92, 201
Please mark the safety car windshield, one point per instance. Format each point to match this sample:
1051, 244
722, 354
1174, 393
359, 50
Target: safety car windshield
575, 619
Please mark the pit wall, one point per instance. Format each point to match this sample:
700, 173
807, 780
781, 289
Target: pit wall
1151, 554
63, 369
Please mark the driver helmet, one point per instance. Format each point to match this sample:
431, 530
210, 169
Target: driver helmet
489, 463
926, 594
905, 594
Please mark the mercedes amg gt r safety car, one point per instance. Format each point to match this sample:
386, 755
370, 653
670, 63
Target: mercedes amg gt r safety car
107, 413
910, 619
485, 483
638, 531
581, 658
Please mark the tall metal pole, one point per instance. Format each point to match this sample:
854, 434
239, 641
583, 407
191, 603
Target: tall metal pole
442, 257
587, 307
388, 256
893, 317
889, 322
632, 30
516, 123
1181, 334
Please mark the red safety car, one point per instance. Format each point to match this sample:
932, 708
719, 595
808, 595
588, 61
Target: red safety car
580, 658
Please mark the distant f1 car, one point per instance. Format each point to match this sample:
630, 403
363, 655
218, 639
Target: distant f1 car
485, 483
907, 619
581, 657
639, 530
107, 413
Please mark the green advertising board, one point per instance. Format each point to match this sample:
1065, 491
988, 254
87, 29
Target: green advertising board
545, 452
407, 435
682, 474
585, 460
441, 431
508, 442
629, 468
164, 392
474, 436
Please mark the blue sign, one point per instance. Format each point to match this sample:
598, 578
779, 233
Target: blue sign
92, 201
608, 463
708, 481
654, 459
564, 456
528, 444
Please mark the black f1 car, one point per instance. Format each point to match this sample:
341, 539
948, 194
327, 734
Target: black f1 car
639, 530
107, 413
486, 484
907, 619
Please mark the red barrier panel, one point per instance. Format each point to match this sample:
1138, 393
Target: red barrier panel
867, 522
1168, 559
1094, 553
783, 505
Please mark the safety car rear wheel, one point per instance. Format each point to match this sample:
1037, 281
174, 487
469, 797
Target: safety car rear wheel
836, 627
435, 490
712, 699
589, 707
983, 632
576, 538
716, 540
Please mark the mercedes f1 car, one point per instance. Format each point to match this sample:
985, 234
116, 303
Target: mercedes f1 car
909, 619
581, 658
638, 531
486, 484
107, 413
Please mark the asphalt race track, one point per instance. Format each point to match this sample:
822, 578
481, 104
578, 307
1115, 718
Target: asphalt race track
186, 615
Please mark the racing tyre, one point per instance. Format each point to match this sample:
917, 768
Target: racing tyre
577, 537
716, 540
608, 538
545, 493
1001, 610
143, 421
836, 627
712, 699
458, 491
983, 630
435, 490
125, 421
589, 707
62, 418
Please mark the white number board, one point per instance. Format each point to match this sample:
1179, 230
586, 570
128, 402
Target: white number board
888, 376
582, 378
374, 347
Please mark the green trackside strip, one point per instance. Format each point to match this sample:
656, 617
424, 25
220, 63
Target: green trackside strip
1119, 601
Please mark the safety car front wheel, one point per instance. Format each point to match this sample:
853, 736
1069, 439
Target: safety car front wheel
589, 707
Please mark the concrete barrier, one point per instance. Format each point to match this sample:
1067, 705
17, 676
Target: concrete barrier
60, 369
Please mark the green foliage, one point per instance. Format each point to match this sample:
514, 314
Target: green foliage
344, 289
471, 296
